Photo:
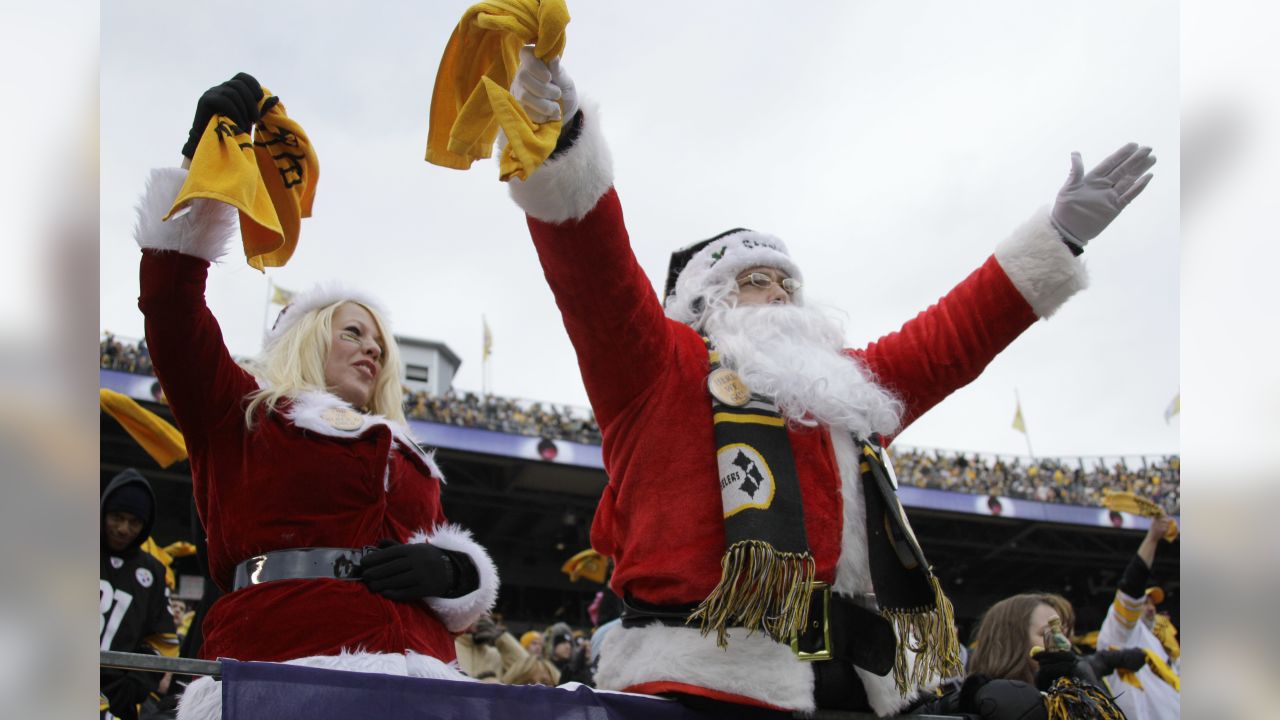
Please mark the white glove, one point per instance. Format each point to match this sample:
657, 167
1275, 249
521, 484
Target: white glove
1087, 204
545, 91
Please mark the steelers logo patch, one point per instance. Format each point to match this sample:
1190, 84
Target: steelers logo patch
144, 576
745, 479
117, 563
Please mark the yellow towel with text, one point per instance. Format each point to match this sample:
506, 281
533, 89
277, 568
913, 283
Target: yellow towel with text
270, 178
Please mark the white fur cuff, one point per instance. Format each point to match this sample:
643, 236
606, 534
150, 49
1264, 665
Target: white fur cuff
1040, 265
457, 614
567, 187
202, 229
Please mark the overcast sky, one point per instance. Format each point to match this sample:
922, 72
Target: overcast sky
892, 145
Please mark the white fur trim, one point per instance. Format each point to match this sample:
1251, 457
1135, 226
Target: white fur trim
567, 187
458, 614
853, 569
722, 261
202, 229
306, 411
322, 295
203, 697
752, 666
1040, 265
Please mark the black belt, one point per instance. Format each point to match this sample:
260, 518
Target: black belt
301, 563
838, 628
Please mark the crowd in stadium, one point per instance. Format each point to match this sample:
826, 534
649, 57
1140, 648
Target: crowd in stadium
1075, 481
508, 415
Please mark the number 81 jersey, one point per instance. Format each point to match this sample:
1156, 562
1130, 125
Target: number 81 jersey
133, 604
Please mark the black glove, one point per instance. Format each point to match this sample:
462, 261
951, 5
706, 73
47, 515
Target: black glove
485, 631
125, 691
1105, 662
1053, 665
236, 98
413, 571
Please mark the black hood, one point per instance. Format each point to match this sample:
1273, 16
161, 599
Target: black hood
128, 476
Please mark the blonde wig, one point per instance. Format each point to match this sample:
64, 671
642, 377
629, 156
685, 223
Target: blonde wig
294, 363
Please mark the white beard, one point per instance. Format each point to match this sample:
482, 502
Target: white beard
793, 355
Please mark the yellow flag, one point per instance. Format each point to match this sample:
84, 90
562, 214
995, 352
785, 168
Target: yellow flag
161, 440
1018, 423
1175, 407
488, 339
280, 296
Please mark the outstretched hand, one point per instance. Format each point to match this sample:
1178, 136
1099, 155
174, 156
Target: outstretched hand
1088, 202
544, 90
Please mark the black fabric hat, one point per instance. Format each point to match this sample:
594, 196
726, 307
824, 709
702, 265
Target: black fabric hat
133, 499
681, 258
698, 270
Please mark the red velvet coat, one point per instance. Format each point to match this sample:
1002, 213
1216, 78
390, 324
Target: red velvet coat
660, 516
280, 486
292, 481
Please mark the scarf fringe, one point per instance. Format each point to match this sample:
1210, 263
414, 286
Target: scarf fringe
1068, 700
760, 588
930, 633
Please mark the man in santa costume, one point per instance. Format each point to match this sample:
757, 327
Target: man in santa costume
759, 547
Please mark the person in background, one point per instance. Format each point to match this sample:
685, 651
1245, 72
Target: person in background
1133, 621
133, 601
1005, 681
569, 657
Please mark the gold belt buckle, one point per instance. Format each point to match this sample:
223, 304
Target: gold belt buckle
825, 652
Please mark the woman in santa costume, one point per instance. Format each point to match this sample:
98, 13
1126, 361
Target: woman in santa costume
758, 544
323, 515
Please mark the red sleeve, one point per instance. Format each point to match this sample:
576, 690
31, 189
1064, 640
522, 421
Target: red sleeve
612, 313
948, 345
201, 381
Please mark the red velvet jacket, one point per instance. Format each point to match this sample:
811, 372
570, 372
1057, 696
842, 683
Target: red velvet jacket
291, 481
660, 516
646, 375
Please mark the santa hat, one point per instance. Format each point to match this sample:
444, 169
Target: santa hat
696, 269
321, 296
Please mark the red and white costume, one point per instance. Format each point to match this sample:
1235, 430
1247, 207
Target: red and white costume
660, 517
293, 481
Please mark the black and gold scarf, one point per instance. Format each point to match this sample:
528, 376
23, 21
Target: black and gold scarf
767, 569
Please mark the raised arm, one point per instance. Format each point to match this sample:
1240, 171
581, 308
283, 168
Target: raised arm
1130, 601
201, 381
1032, 273
610, 309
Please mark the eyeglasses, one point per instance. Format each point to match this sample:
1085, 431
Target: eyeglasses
764, 282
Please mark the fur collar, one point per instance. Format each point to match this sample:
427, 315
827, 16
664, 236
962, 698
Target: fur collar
306, 410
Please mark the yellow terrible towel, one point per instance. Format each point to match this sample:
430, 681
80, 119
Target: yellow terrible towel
161, 440
270, 179
471, 101
1128, 502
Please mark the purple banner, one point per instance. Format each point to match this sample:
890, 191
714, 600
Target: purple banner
269, 691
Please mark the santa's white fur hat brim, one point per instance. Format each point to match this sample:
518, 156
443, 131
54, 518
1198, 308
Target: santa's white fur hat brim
723, 260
